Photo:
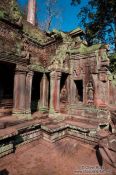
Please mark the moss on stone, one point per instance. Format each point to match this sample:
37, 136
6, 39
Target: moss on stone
85, 49
61, 52
15, 13
2, 14
59, 34
36, 67
112, 77
9, 10
34, 32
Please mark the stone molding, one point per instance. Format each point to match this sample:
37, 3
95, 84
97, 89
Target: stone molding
20, 68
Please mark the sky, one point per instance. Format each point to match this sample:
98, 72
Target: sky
67, 19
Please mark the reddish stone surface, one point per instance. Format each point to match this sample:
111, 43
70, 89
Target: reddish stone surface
64, 157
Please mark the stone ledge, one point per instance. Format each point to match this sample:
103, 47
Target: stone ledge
33, 130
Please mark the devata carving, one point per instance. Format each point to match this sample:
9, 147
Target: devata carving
64, 95
90, 93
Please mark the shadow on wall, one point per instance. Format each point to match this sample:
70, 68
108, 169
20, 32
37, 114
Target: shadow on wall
4, 172
99, 157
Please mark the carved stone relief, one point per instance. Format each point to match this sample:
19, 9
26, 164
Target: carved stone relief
90, 93
64, 94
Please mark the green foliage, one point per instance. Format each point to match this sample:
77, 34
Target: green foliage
113, 63
1, 14
99, 20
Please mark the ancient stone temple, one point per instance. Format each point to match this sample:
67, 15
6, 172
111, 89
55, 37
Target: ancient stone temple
53, 85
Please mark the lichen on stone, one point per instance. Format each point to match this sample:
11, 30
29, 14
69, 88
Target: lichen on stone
62, 50
9, 10
15, 13
84, 49
34, 32
112, 77
2, 14
36, 67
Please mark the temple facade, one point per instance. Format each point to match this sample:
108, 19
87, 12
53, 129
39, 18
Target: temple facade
54, 74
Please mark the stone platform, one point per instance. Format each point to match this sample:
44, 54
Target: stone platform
16, 133
64, 157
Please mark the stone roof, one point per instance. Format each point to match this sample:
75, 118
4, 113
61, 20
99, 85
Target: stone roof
76, 31
85, 49
35, 33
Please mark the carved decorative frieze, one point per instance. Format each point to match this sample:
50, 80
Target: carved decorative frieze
20, 68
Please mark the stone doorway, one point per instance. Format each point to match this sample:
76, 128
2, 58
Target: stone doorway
7, 71
79, 90
35, 97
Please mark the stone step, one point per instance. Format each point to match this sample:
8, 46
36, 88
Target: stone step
5, 112
9, 121
84, 120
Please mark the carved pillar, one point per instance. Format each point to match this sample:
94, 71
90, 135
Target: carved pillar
55, 91
72, 85
29, 78
19, 101
16, 94
52, 86
68, 89
73, 92
103, 89
44, 87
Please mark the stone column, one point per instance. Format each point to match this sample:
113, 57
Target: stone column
55, 77
29, 78
57, 91
73, 90
44, 87
72, 85
16, 94
19, 91
52, 86
103, 89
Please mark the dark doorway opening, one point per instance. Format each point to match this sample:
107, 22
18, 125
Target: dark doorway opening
63, 80
35, 98
7, 71
79, 93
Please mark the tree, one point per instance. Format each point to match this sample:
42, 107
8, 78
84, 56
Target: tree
52, 12
113, 63
99, 20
